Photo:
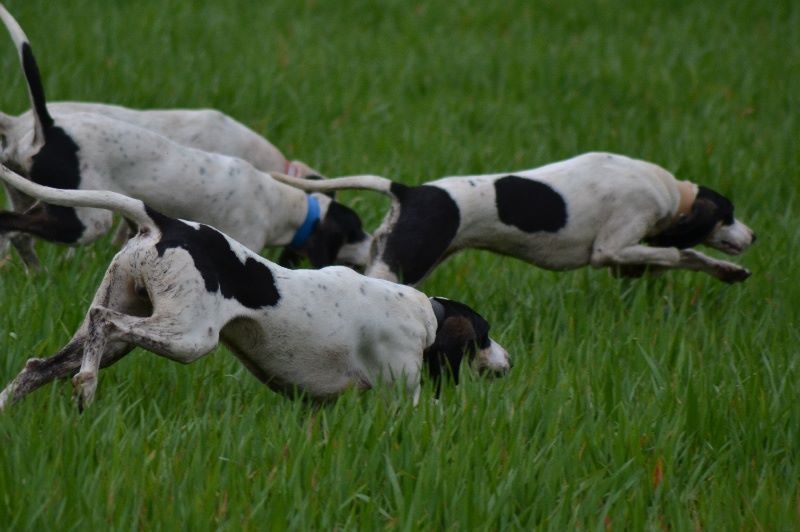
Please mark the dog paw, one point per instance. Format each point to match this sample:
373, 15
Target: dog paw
84, 385
734, 274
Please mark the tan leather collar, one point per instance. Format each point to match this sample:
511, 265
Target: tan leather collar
687, 192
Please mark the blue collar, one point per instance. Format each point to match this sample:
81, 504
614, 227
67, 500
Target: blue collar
312, 216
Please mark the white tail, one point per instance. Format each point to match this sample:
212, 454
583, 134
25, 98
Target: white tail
365, 182
132, 209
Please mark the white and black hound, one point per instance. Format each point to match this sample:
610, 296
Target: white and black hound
203, 129
93, 151
178, 288
594, 209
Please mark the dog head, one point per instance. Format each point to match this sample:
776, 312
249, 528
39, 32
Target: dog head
462, 332
338, 238
711, 222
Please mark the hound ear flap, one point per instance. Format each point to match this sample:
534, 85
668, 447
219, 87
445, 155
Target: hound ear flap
324, 243
691, 229
454, 338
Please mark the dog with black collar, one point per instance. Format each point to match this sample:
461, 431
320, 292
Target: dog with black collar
93, 151
597, 209
179, 288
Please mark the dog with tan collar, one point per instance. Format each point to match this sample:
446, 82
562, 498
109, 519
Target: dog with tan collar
179, 288
597, 209
80, 150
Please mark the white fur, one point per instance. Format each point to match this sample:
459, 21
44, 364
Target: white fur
329, 330
613, 202
219, 190
203, 129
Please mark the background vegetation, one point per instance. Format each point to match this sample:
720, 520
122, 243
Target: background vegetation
666, 403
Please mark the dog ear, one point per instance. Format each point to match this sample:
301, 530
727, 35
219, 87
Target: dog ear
340, 226
691, 229
455, 338
324, 243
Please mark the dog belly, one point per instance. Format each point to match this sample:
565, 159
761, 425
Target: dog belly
551, 252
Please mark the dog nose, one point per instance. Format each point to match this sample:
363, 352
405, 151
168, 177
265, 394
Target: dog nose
752, 238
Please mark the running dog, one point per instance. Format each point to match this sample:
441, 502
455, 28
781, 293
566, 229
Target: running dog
596, 209
179, 288
81, 150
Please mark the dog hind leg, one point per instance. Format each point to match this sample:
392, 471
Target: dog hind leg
167, 336
65, 363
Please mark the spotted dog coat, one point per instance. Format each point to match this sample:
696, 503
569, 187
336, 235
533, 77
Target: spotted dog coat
594, 209
178, 288
79, 150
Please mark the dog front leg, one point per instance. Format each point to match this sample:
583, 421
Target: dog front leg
687, 259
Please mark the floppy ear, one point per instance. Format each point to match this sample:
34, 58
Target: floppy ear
340, 226
690, 230
454, 339
324, 243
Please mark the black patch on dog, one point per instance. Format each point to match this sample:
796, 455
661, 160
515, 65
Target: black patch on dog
251, 283
340, 226
460, 331
56, 224
529, 205
709, 209
57, 165
419, 240
34, 80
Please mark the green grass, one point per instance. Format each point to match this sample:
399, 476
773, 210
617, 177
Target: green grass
666, 403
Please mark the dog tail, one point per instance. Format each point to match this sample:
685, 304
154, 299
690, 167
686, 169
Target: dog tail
42, 119
364, 182
131, 209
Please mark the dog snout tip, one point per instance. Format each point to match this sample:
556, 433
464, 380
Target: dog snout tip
752, 238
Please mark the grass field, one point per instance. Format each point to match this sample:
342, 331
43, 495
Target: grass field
665, 403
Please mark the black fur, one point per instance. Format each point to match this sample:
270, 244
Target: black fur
251, 283
427, 224
453, 342
56, 224
340, 226
529, 205
55, 165
34, 80
709, 209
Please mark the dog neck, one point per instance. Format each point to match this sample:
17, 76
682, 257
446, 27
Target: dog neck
307, 227
687, 193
